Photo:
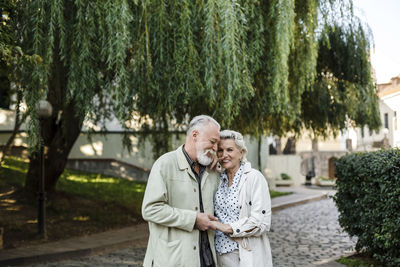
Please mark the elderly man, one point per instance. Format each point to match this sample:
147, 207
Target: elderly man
178, 202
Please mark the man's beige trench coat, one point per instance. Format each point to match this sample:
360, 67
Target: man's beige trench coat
170, 205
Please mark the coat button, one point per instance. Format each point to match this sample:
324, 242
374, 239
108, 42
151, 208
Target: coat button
263, 212
237, 230
196, 208
194, 189
194, 247
250, 203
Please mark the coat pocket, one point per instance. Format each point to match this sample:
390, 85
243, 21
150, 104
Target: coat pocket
168, 254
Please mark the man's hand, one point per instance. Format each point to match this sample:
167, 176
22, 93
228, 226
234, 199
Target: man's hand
203, 221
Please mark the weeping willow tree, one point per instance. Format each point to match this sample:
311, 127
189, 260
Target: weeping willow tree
324, 81
252, 64
343, 92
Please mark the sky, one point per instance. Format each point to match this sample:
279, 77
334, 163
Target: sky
383, 17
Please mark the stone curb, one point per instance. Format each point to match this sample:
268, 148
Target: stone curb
85, 246
288, 204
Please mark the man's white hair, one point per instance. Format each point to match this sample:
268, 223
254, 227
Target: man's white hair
198, 122
238, 138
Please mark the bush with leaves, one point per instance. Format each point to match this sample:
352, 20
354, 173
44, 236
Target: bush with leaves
368, 199
285, 176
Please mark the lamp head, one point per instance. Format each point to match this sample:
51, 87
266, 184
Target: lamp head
45, 109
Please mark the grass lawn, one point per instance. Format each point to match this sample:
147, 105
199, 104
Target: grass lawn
278, 194
85, 204
359, 260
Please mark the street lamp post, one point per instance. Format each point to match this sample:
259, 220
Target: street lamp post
44, 112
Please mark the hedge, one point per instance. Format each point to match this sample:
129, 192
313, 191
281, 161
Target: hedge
368, 200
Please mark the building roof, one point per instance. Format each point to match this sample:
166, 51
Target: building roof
386, 89
389, 91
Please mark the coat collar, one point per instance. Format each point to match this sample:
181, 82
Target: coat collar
183, 164
246, 170
247, 167
182, 161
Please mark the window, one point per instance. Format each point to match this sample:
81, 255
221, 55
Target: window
395, 120
386, 121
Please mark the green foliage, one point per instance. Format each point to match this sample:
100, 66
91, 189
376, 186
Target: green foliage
274, 194
12, 172
359, 260
323, 178
303, 54
368, 199
121, 191
257, 66
343, 83
12, 57
285, 176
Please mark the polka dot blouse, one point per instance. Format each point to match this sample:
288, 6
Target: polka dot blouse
226, 208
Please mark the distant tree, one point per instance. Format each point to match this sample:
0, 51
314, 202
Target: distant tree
7, 55
11, 60
344, 90
250, 64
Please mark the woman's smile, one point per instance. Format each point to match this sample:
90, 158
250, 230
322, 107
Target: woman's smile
229, 155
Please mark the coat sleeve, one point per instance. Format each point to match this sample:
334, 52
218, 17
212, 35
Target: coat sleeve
155, 207
259, 220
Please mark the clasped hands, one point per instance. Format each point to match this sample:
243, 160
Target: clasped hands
206, 221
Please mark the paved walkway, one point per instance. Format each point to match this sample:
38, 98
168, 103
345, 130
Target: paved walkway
302, 235
308, 235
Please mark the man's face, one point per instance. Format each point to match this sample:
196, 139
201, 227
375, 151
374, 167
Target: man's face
207, 143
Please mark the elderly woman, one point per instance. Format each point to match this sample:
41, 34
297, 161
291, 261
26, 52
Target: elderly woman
243, 206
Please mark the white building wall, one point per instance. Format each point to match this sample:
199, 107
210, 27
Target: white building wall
393, 103
366, 139
289, 164
109, 146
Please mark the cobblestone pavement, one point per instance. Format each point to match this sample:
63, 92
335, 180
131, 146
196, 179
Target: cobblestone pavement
308, 234
303, 235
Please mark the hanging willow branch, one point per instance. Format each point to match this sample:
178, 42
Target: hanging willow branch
257, 66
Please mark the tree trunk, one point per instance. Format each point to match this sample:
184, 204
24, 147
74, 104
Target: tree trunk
290, 147
58, 142
8, 146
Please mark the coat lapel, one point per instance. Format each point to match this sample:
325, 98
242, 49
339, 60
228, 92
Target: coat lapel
204, 178
183, 163
246, 170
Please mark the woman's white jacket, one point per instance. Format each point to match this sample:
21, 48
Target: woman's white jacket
250, 231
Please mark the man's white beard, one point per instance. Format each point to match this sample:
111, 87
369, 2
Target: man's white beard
202, 157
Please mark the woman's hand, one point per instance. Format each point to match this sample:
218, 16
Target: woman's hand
225, 228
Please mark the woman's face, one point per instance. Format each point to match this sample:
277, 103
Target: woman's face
229, 155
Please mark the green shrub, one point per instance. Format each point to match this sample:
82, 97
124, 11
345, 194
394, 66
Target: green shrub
368, 199
323, 178
285, 176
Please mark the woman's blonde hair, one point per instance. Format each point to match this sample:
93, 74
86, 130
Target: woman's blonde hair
239, 141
